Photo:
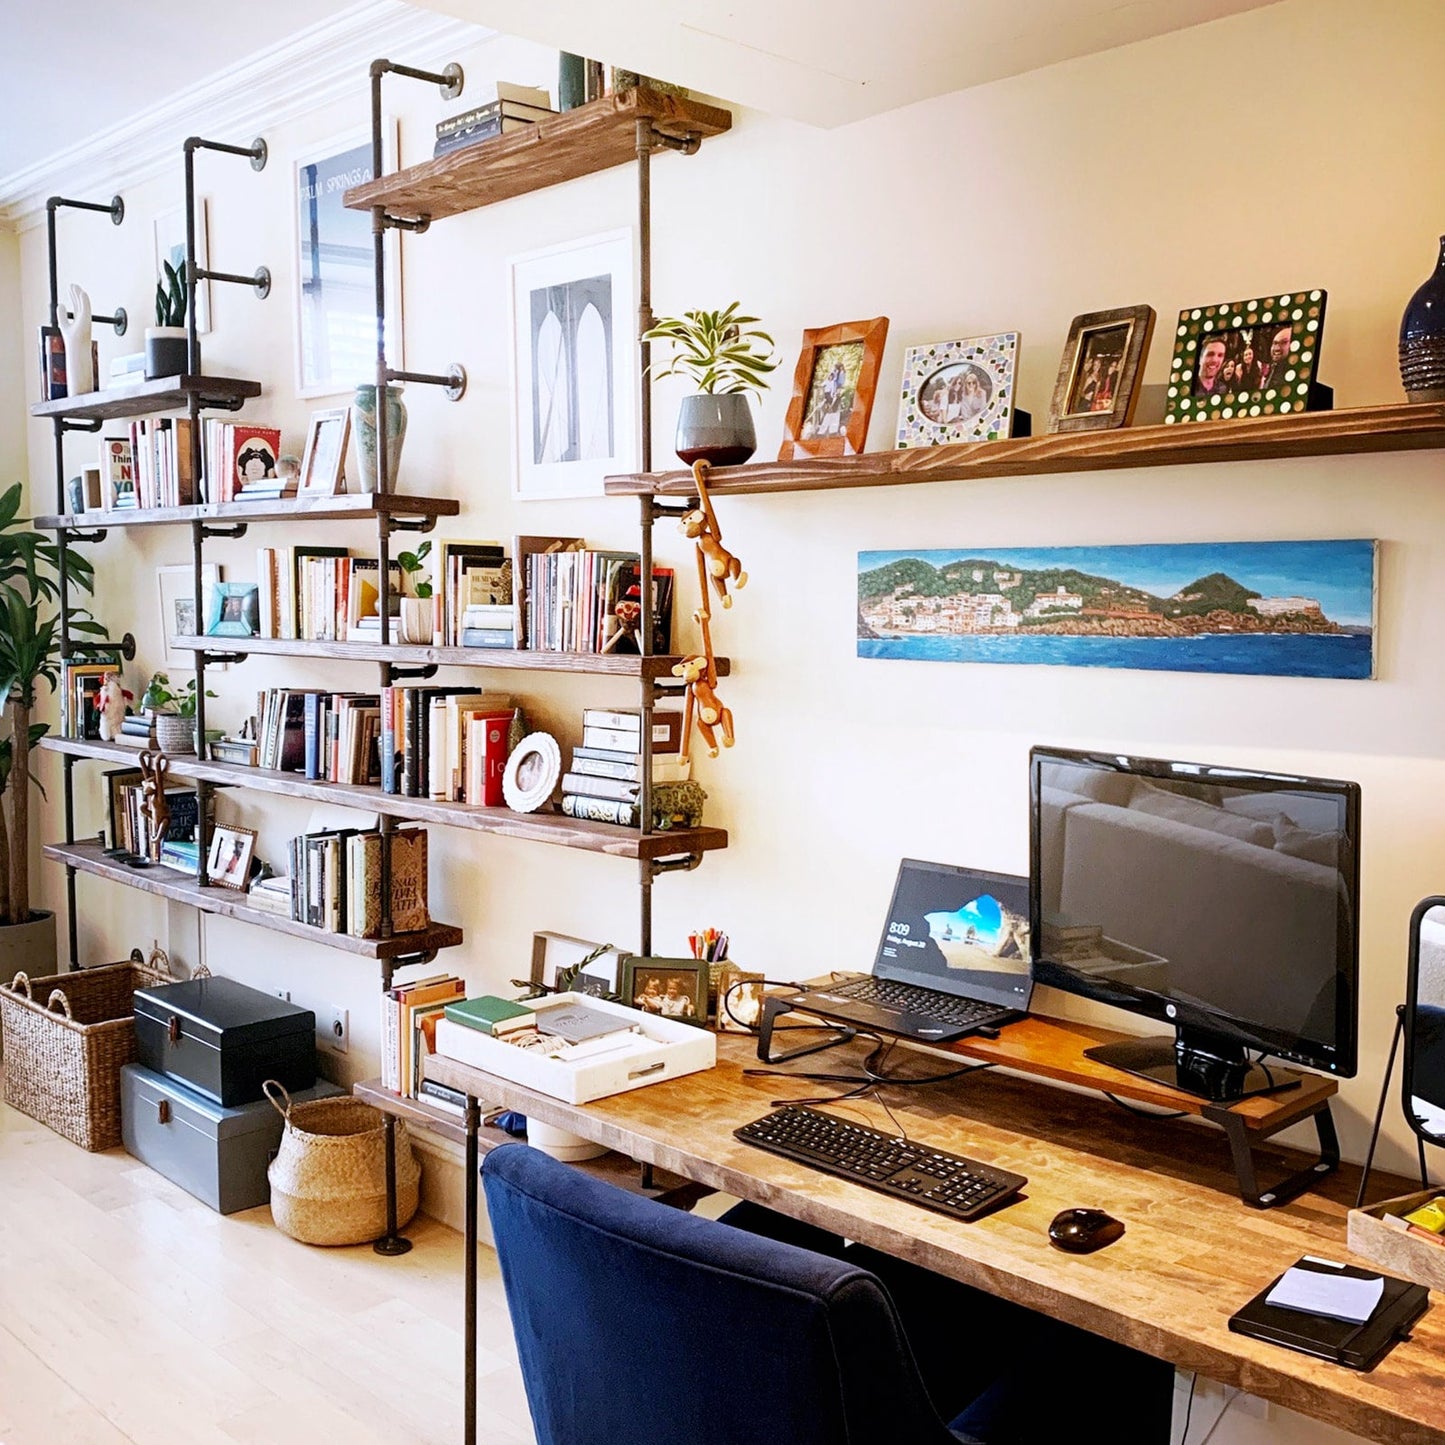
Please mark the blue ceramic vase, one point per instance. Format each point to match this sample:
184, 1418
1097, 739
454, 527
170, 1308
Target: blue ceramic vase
1422, 338
363, 426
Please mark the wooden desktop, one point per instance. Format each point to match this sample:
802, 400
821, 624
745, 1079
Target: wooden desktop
1193, 1252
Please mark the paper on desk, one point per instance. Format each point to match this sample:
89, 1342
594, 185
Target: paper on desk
1333, 1296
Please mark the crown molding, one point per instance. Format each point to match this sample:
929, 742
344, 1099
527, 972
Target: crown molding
323, 63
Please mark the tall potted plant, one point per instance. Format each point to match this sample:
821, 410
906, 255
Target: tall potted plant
726, 356
29, 654
166, 341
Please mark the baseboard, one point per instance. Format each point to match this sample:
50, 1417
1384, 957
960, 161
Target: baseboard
444, 1184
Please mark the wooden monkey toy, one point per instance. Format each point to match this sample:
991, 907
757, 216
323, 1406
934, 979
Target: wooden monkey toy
154, 807
703, 706
713, 559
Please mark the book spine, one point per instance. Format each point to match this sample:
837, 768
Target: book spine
599, 787
599, 810
596, 717
312, 735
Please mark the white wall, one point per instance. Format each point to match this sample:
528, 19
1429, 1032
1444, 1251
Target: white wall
12, 362
1275, 150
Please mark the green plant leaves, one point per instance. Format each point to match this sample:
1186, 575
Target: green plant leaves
719, 351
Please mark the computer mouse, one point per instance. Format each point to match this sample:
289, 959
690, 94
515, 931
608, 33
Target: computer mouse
1082, 1231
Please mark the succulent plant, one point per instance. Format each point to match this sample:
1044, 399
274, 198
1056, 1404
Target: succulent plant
170, 297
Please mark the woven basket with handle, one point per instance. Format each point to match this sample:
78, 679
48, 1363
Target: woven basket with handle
328, 1180
63, 1056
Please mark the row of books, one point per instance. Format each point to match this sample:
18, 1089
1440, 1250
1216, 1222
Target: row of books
583, 600
331, 737
409, 1014
516, 107
129, 829
473, 576
149, 467
604, 783
446, 743
334, 882
240, 462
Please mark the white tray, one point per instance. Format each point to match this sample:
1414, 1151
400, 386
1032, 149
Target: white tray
666, 1050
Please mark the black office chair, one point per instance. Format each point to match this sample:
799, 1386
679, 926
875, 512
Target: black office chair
637, 1324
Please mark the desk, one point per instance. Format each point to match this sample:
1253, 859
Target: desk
1192, 1255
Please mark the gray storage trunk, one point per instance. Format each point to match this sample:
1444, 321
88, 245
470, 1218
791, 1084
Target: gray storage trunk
218, 1154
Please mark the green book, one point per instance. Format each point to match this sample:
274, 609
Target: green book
491, 1015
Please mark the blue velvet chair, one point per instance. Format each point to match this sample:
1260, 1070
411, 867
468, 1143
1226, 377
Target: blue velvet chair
637, 1324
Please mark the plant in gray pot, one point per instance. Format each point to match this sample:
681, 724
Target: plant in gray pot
726, 356
166, 353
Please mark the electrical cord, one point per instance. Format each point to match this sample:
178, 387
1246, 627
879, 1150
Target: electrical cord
1145, 1113
1189, 1409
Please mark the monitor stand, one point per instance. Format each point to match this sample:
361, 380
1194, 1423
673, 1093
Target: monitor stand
1196, 1062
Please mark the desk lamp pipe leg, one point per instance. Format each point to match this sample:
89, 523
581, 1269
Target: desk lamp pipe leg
469, 1433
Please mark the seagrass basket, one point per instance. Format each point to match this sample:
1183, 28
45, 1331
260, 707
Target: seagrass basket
328, 1179
66, 1037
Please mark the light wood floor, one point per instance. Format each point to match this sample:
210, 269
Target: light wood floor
131, 1312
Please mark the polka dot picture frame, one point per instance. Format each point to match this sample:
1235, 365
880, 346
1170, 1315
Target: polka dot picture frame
1246, 358
958, 391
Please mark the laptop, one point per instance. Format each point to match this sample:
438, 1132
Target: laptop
954, 958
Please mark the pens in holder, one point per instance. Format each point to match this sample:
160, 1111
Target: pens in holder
710, 945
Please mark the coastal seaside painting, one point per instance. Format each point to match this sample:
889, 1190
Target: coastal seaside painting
1282, 609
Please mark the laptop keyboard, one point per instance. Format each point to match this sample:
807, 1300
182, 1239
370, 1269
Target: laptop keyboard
944, 1008
958, 1187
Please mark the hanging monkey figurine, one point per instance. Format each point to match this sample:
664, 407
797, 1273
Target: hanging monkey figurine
714, 561
703, 706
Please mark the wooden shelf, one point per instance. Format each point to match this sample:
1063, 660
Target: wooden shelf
600, 664
1308, 434
550, 828
594, 137
166, 883
142, 398
349, 505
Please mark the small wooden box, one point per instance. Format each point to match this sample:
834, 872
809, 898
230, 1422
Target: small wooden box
1404, 1254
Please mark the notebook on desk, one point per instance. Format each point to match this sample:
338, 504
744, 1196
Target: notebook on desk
953, 958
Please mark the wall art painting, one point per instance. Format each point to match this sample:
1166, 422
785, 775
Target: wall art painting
1282, 609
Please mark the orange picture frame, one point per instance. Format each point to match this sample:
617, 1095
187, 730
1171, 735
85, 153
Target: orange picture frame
829, 413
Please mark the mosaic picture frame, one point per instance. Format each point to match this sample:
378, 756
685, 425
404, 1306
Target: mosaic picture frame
958, 391
1098, 382
1215, 347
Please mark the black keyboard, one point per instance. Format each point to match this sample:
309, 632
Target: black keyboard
961, 1188
946, 1008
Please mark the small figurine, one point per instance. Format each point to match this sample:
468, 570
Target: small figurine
154, 808
703, 706
713, 559
74, 326
112, 700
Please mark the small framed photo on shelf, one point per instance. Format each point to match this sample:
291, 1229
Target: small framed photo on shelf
180, 617
958, 391
739, 1000
671, 988
1246, 358
1098, 383
531, 773
228, 864
324, 461
833, 390
235, 610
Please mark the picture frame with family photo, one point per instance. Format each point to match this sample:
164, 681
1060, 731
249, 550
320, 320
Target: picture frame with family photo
960, 391
1098, 383
1248, 358
669, 988
833, 390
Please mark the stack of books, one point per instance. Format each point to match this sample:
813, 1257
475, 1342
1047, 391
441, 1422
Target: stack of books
605, 780
476, 579
514, 108
335, 881
128, 369
271, 895
489, 625
409, 1014
576, 599
137, 730
238, 454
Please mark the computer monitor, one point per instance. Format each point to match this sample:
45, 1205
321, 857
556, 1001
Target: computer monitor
1222, 901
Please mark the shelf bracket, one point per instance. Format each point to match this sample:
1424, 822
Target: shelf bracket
76, 535
115, 209
656, 867
93, 649
259, 280
410, 524
222, 659
66, 425
239, 530
389, 966
688, 144
453, 381
430, 670
417, 225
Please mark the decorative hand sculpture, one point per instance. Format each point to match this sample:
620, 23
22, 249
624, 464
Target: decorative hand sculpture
75, 331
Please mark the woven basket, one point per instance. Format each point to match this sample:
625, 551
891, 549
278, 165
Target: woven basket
328, 1180
63, 1057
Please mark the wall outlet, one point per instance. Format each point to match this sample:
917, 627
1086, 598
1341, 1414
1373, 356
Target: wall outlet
282, 993
336, 1029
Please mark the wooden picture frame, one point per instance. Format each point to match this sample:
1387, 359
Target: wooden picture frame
854, 348
83, 681
323, 463
744, 1011
228, 864
678, 986
1279, 372
1098, 383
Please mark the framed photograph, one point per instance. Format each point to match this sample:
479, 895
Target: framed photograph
116, 780
1246, 358
574, 367
739, 1001
531, 773
1098, 385
833, 390
554, 954
671, 988
958, 391
228, 864
324, 461
170, 245
235, 610
179, 614
335, 322
83, 681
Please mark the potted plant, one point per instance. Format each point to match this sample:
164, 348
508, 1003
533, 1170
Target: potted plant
174, 713
418, 610
726, 356
166, 341
29, 654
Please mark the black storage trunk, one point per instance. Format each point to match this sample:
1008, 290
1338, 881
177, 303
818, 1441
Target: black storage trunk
224, 1039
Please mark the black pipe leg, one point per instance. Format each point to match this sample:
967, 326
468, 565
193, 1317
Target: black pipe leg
391, 1243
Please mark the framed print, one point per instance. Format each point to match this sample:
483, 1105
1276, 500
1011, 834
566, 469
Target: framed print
170, 245
83, 682
531, 773
958, 391
1246, 358
671, 988
228, 864
235, 610
739, 1001
1098, 384
324, 460
335, 321
179, 615
833, 390
574, 367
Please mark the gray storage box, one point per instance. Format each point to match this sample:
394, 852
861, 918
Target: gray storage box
218, 1154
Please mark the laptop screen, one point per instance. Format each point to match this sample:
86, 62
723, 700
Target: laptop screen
958, 930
